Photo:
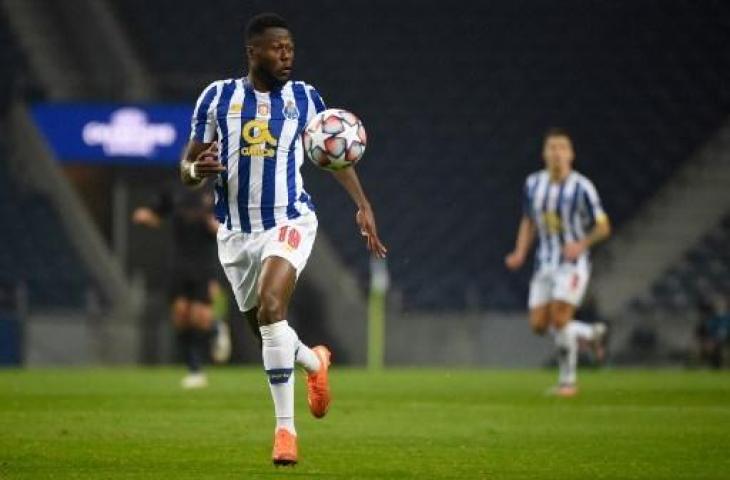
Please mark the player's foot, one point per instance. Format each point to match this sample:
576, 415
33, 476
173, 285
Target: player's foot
194, 381
285, 448
600, 331
318, 387
221, 350
564, 390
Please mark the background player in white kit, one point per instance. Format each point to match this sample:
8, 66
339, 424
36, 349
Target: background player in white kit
268, 224
561, 208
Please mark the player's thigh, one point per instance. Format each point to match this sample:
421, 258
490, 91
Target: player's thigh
275, 287
561, 313
541, 287
540, 318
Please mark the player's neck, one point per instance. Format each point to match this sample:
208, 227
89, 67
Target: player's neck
559, 177
261, 82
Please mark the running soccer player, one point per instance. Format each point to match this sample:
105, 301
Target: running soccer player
268, 224
192, 274
562, 208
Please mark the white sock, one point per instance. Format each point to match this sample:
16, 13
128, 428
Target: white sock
305, 357
582, 330
278, 344
567, 344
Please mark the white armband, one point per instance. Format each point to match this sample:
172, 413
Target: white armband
193, 173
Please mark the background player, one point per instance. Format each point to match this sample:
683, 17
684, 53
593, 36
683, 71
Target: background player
268, 224
192, 275
563, 209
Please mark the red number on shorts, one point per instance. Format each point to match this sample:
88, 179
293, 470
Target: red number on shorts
294, 238
282, 233
574, 282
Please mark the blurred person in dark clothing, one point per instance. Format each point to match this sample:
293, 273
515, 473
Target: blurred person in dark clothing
192, 273
713, 330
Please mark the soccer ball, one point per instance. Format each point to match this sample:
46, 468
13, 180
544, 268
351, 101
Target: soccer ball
334, 139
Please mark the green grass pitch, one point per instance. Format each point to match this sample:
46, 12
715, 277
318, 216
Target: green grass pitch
404, 423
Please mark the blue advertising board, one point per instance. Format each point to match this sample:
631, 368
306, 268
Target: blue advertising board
114, 134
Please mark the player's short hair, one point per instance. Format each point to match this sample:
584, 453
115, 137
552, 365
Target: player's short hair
556, 132
258, 24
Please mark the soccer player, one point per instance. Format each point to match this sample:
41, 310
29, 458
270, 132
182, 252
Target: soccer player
268, 224
561, 208
192, 274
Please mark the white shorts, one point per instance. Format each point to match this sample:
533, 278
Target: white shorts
566, 283
241, 254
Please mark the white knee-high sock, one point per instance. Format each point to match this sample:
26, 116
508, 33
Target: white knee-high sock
567, 345
279, 342
582, 330
305, 357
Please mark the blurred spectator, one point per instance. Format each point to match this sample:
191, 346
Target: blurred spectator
713, 330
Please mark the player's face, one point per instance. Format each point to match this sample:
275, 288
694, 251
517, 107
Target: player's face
558, 155
272, 54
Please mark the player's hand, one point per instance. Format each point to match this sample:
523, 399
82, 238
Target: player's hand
514, 260
206, 164
573, 250
366, 222
145, 216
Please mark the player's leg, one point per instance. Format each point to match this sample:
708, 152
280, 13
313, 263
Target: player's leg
592, 333
281, 346
252, 320
539, 303
540, 319
182, 321
567, 345
221, 344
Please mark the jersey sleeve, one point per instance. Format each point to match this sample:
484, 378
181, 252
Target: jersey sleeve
316, 104
592, 203
203, 124
527, 192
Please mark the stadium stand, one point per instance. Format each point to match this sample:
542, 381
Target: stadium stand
636, 82
35, 252
703, 273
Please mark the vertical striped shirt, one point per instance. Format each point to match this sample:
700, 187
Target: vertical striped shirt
259, 135
563, 212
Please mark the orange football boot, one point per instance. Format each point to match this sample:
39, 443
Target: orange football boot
285, 448
318, 387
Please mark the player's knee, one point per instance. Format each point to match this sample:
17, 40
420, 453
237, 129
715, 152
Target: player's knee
271, 308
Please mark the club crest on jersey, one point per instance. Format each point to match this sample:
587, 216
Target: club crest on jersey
263, 109
290, 110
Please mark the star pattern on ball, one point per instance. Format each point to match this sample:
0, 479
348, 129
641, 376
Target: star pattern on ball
318, 137
349, 133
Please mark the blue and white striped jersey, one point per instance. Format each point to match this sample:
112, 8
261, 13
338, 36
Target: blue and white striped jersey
563, 212
259, 135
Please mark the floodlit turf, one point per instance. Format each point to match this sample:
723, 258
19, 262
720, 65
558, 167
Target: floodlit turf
137, 423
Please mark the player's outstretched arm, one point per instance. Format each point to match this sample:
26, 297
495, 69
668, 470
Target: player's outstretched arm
365, 218
525, 239
199, 161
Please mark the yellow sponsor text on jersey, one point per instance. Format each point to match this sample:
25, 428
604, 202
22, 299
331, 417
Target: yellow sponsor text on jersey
235, 107
553, 222
256, 133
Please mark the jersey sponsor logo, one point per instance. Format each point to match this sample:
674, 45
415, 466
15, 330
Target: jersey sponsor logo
256, 133
552, 222
235, 108
290, 110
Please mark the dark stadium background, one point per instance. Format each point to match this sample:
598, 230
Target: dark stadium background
455, 97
